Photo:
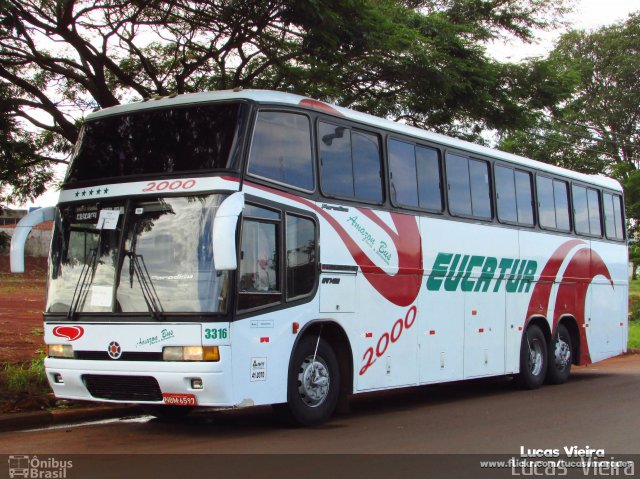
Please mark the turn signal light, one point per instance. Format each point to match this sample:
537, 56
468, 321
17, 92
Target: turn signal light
190, 353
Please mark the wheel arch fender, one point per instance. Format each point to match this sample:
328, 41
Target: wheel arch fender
332, 332
542, 323
569, 322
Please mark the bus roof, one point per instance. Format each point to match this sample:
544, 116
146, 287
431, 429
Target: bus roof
280, 98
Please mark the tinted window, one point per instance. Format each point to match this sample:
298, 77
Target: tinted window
613, 216
367, 166
335, 158
156, 141
595, 222
506, 194
281, 149
458, 185
524, 197
350, 162
301, 256
259, 277
580, 209
480, 192
429, 181
561, 197
402, 163
546, 202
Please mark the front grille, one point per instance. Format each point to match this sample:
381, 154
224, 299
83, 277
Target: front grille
104, 356
123, 388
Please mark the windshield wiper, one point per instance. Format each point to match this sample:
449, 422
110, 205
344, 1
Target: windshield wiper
138, 266
83, 284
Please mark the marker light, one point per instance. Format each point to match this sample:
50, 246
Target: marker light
60, 351
190, 353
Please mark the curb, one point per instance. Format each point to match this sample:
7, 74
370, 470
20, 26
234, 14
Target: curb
32, 420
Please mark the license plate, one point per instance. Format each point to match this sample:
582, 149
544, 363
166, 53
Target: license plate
179, 399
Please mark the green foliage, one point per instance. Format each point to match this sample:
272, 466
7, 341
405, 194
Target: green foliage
421, 61
597, 128
5, 241
27, 377
634, 335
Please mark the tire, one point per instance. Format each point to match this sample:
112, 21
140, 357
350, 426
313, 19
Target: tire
533, 358
560, 357
168, 413
313, 386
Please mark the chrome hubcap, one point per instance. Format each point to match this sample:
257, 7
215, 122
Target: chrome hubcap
535, 357
562, 354
313, 381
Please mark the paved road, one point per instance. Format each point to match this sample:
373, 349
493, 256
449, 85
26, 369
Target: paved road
598, 407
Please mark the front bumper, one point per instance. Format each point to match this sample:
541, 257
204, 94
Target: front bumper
173, 378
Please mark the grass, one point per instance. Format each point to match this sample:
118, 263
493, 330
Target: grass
24, 386
634, 335
634, 315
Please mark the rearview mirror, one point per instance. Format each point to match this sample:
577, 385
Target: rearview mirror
224, 232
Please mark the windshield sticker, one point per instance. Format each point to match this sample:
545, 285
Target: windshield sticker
139, 211
151, 340
108, 220
101, 296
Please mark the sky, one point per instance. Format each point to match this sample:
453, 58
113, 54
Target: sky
588, 15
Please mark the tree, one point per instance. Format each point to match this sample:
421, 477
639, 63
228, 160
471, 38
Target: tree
419, 61
597, 129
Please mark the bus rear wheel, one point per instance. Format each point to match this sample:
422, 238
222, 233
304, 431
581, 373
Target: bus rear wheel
313, 384
560, 358
533, 358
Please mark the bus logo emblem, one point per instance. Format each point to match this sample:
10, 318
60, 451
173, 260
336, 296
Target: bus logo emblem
114, 350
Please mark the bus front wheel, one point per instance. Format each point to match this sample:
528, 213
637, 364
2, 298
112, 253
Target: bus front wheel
313, 384
533, 358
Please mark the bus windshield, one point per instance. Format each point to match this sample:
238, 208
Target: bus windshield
152, 255
160, 141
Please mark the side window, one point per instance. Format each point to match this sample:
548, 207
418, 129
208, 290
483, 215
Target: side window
613, 218
350, 163
367, 166
586, 210
506, 194
458, 185
281, 149
595, 221
301, 256
415, 175
553, 203
402, 167
259, 274
468, 184
429, 180
580, 209
546, 203
524, 197
561, 196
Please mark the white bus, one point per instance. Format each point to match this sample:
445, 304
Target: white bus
242, 248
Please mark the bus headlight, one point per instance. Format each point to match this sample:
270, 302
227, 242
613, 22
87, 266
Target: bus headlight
60, 351
190, 353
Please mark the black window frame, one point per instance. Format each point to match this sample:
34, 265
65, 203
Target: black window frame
281, 239
389, 180
600, 210
553, 179
515, 169
614, 194
312, 146
491, 193
352, 127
